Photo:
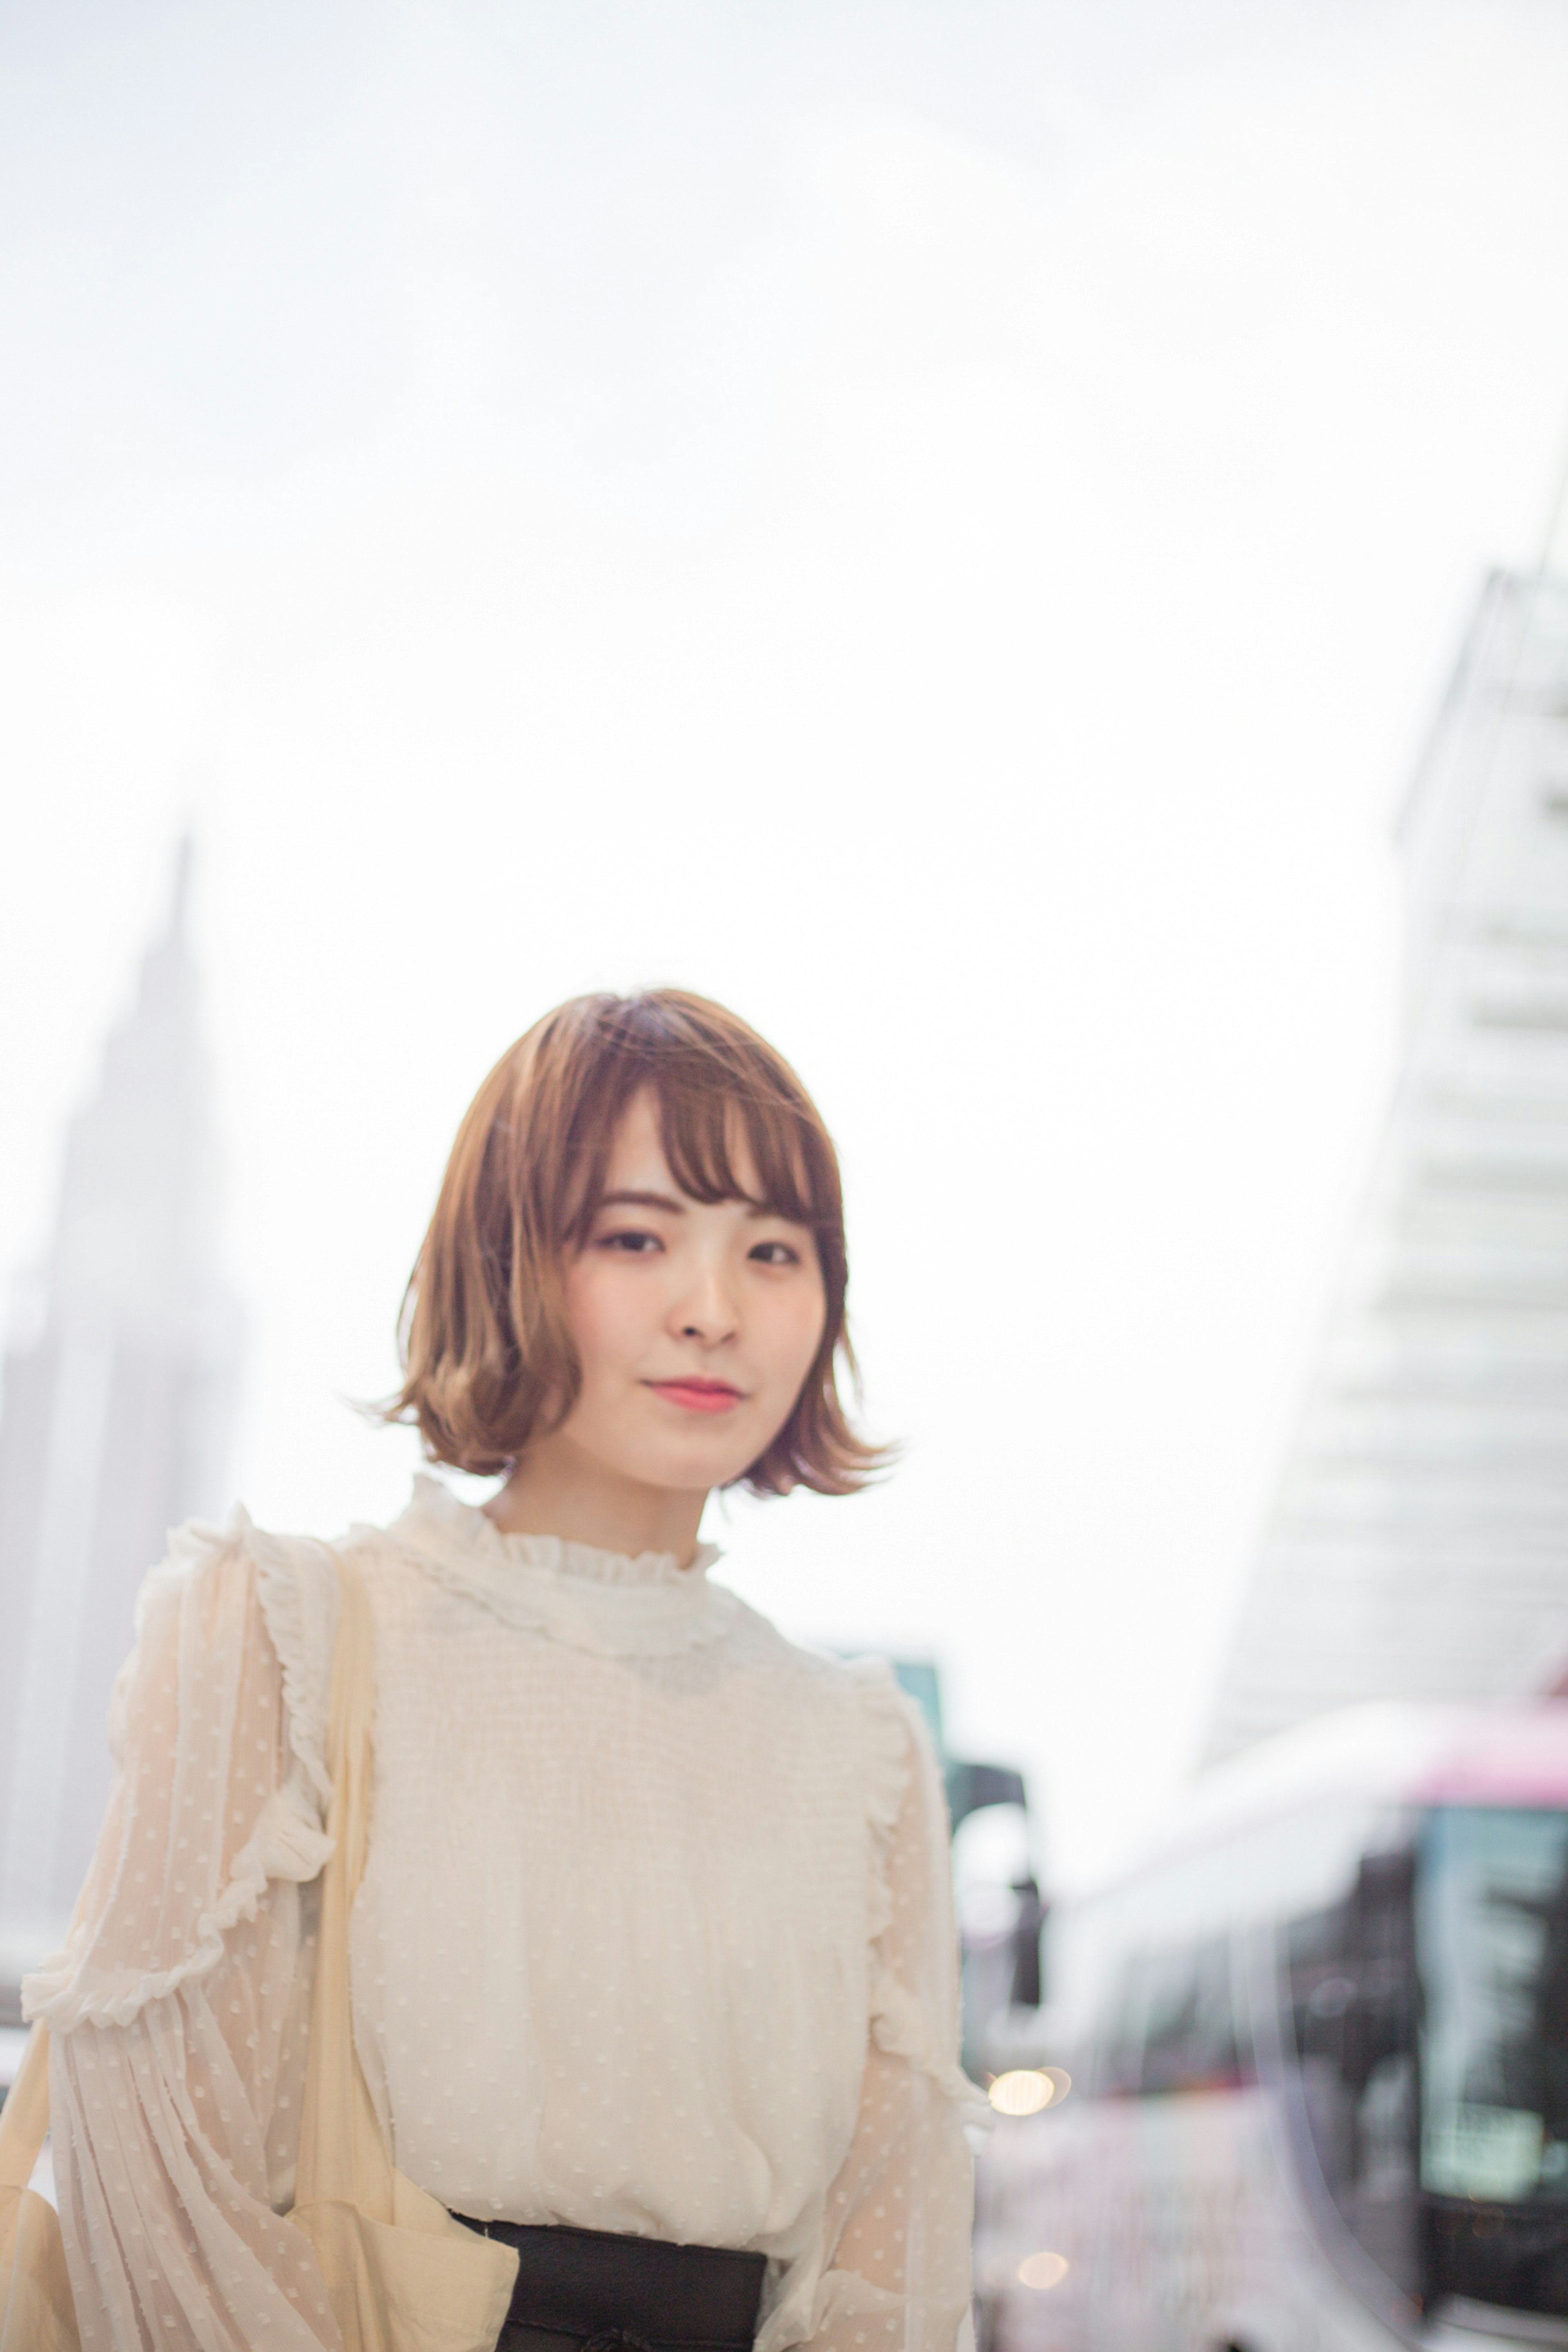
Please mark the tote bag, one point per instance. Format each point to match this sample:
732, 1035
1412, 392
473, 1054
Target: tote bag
401, 2274
35, 2310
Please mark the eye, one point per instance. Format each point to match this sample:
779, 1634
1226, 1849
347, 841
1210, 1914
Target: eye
631, 1243
775, 1254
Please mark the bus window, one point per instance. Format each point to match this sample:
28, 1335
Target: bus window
1118, 2047
1352, 2008
1170, 2024
1190, 2041
1493, 1921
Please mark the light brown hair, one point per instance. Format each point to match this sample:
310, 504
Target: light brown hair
489, 1363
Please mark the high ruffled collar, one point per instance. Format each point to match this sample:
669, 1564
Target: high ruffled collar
592, 1600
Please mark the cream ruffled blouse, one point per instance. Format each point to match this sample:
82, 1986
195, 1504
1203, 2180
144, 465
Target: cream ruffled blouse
655, 1936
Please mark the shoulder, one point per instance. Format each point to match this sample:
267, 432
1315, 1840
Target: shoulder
203, 1561
238, 1588
887, 1725
866, 1682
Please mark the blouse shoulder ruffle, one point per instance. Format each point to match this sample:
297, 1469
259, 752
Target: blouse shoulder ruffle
899, 1756
295, 1584
890, 1726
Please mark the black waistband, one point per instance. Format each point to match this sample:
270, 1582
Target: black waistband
591, 2283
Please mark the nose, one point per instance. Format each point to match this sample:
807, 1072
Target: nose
706, 1311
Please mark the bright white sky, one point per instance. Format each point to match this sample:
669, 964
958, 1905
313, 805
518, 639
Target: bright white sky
940, 524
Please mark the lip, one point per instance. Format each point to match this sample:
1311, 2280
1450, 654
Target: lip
695, 1395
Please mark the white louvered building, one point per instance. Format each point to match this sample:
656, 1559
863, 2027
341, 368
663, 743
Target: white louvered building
114, 1423
1420, 1543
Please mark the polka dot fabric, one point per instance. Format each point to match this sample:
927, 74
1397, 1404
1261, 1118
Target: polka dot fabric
655, 1935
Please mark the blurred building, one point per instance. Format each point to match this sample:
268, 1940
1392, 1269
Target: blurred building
120, 1381
1420, 1543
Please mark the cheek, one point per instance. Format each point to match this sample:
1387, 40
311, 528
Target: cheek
798, 1335
608, 1318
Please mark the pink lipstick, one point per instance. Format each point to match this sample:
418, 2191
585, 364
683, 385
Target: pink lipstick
698, 1395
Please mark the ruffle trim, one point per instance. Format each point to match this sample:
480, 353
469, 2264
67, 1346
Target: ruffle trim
646, 1608
901, 2026
889, 1755
476, 1534
299, 1604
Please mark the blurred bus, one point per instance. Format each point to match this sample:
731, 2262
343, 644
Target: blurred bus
1318, 2051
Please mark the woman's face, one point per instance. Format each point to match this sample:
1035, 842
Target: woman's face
695, 1322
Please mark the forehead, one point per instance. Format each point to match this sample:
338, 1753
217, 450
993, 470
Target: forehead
637, 1140
638, 1160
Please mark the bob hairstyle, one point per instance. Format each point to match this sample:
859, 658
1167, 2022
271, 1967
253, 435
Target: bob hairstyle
489, 1363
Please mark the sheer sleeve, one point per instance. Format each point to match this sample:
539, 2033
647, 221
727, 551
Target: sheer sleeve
178, 2010
896, 2274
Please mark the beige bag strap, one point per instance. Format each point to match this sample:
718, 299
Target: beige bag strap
25, 2117
36, 2310
343, 2154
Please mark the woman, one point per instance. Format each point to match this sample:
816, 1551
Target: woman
654, 1939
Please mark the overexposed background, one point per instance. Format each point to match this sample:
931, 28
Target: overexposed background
939, 523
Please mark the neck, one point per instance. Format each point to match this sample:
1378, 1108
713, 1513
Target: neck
556, 1490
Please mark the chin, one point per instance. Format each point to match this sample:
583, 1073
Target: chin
690, 1466
689, 1475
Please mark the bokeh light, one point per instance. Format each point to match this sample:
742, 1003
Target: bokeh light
1028, 2090
1043, 2270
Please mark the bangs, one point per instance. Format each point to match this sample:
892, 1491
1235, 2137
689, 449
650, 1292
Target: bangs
709, 1138
734, 1122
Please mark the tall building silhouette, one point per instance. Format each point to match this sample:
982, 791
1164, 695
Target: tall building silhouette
114, 1421
1419, 1548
